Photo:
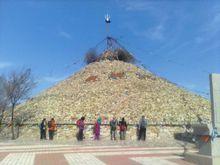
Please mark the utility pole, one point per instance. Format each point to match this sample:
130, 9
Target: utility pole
107, 21
215, 100
108, 38
209, 152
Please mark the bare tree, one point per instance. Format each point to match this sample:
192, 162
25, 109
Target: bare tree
3, 99
18, 87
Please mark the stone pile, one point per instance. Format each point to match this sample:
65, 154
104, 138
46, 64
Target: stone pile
116, 88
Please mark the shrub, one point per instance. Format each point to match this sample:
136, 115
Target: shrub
91, 56
124, 55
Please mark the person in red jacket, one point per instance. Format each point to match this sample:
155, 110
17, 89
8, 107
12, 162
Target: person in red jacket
96, 129
123, 128
51, 128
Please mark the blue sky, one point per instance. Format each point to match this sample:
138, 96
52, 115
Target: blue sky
177, 40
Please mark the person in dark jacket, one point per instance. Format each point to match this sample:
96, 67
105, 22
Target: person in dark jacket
113, 128
43, 129
81, 125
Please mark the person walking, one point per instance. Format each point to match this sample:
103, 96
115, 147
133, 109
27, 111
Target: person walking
113, 127
122, 128
43, 129
142, 128
52, 128
81, 125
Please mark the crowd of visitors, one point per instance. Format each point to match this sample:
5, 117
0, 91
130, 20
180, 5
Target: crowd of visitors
114, 124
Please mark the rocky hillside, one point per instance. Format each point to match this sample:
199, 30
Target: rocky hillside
116, 88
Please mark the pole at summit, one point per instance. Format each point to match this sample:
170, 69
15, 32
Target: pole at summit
107, 21
108, 38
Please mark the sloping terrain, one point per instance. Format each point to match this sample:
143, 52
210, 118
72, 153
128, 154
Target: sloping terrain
116, 88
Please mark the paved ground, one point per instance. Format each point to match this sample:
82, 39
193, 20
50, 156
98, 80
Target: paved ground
63, 154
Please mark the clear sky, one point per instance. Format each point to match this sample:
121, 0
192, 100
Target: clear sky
177, 40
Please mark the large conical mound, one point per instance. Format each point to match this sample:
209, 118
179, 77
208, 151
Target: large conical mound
116, 88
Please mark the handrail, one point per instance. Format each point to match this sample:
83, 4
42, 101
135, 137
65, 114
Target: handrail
149, 125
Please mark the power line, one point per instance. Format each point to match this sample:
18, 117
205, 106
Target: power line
182, 65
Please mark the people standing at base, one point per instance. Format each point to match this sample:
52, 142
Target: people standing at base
142, 128
137, 131
122, 128
97, 128
52, 128
43, 129
113, 127
81, 125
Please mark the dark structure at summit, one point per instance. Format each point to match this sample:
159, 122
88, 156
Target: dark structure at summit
108, 49
112, 51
